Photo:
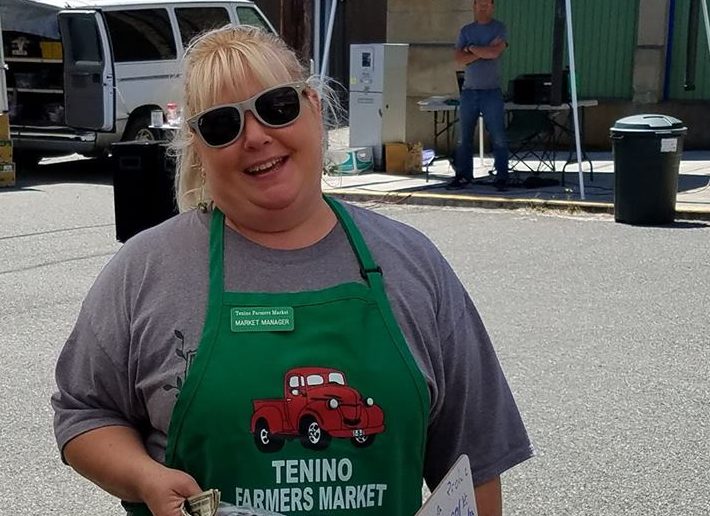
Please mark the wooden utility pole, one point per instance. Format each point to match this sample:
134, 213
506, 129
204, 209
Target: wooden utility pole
296, 26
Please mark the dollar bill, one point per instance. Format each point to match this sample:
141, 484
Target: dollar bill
203, 504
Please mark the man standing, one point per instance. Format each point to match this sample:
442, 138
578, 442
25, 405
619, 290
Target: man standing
479, 47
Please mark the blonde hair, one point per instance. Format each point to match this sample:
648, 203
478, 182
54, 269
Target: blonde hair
216, 63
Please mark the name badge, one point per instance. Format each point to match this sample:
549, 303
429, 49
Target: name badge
268, 318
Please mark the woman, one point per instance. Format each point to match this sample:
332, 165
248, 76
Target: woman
299, 355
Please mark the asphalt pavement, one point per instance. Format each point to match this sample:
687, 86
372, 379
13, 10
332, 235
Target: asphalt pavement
602, 330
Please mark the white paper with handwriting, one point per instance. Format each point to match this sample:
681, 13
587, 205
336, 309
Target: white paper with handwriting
454, 496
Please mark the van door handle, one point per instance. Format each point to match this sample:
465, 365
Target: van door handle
94, 76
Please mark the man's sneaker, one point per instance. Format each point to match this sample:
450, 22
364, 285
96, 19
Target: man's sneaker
458, 183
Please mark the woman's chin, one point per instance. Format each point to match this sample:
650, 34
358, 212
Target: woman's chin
276, 198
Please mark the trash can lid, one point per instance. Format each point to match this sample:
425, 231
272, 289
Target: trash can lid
649, 123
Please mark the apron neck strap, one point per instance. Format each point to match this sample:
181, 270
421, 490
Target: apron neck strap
368, 267
216, 251
357, 242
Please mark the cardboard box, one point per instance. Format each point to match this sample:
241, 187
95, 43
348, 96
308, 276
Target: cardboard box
5, 151
4, 126
7, 174
395, 158
403, 158
351, 161
413, 165
51, 49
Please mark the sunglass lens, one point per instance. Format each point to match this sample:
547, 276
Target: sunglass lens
280, 106
220, 126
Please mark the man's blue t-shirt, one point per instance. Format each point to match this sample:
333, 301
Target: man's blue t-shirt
482, 74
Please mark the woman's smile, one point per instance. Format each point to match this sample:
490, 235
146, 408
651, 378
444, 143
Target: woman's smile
266, 167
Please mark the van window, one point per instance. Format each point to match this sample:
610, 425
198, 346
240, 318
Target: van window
250, 16
141, 35
84, 35
193, 21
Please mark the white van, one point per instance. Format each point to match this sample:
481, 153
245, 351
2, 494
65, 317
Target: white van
99, 65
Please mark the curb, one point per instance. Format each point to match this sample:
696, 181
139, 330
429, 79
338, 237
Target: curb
477, 201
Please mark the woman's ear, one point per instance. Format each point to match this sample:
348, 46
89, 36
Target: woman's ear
314, 99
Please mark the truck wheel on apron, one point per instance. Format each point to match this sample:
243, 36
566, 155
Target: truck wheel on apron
264, 439
363, 442
312, 435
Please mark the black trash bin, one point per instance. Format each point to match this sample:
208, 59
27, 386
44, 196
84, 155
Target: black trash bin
647, 151
143, 191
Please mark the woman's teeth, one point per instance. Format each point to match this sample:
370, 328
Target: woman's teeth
264, 167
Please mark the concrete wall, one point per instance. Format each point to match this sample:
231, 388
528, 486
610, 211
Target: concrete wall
650, 52
431, 29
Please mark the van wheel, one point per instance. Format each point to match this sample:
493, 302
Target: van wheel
138, 130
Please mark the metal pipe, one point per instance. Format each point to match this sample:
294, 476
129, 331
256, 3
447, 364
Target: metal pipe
316, 35
691, 51
558, 50
573, 87
669, 50
328, 38
480, 142
3, 83
706, 18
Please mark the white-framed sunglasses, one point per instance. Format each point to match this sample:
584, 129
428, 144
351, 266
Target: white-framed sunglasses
275, 107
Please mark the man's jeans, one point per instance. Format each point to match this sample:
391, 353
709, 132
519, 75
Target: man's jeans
490, 104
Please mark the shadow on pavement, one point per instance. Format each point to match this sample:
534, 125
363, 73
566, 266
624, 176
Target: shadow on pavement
65, 170
690, 225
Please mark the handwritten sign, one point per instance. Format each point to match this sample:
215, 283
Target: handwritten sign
454, 496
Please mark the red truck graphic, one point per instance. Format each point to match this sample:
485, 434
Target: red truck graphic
318, 405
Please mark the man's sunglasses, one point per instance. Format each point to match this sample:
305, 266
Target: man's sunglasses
221, 125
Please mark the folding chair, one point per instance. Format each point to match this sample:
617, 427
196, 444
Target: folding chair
531, 137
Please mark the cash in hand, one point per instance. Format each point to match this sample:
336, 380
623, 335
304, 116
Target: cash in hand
203, 504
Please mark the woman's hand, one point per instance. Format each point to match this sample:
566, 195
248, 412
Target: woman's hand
114, 458
165, 491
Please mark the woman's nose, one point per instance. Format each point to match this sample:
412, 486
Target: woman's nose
255, 133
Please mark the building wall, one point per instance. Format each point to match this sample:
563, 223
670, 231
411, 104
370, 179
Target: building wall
621, 49
431, 29
604, 34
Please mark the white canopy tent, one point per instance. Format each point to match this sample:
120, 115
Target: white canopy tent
563, 11
563, 15
567, 6
322, 54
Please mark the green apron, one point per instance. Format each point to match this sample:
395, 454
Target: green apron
303, 402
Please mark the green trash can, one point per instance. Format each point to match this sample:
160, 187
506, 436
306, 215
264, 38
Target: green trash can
647, 151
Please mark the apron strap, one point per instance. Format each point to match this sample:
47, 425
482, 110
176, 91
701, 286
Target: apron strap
216, 254
368, 267
372, 273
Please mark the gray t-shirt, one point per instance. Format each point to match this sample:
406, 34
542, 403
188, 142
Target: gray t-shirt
482, 74
146, 310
